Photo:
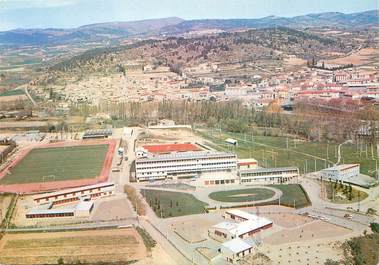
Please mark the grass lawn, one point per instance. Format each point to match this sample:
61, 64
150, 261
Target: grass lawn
293, 194
242, 195
342, 193
171, 204
58, 163
271, 151
15, 92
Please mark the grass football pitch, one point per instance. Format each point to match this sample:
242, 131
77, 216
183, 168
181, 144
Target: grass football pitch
58, 163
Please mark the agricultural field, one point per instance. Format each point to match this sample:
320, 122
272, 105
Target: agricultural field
5, 202
242, 195
170, 204
89, 246
280, 151
58, 163
16, 92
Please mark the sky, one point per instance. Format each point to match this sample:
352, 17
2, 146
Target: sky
74, 13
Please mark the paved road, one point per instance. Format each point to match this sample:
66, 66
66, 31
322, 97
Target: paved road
79, 226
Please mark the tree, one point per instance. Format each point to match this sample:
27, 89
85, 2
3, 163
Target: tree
374, 227
60, 261
331, 262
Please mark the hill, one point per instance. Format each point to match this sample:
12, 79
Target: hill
117, 31
330, 19
101, 32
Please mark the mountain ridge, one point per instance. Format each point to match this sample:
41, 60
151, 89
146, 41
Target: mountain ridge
119, 30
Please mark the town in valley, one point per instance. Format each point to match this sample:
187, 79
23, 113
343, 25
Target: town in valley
172, 141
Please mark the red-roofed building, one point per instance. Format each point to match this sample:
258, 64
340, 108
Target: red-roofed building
170, 148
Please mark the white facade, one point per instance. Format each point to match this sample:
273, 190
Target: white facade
186, 164
76, 194
239, 224
268, 175
341, 172
216, 178
235, 249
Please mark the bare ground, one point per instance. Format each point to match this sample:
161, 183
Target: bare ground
90, 246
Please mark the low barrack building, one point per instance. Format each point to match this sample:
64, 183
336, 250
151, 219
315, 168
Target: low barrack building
97, 134
241, 224
81, 209
235, 249
247, 163
183, 165
76, 194
268, 175
215, 178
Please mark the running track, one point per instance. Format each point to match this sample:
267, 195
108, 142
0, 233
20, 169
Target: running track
56, 185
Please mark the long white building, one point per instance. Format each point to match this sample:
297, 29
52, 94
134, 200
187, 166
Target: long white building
341, 172
268, 175
184, 164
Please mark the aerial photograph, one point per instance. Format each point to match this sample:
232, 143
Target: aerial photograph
189, 132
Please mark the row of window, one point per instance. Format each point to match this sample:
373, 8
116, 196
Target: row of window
255, 174
47, 215
70, 194
188, 165
265, 179
184, 160
183, 170
217, 182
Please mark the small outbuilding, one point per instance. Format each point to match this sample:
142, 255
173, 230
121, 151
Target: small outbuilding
235, 249
231, 141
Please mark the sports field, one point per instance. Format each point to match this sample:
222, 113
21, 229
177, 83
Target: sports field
293, 195
242, 195
280, 151
58, 163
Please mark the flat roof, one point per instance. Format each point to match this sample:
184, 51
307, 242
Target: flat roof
253, 222
168, 148
184, 155
276, 169
47, 210
241, 214
247, 161
65, 191
341, 167
250, 225
84, 206
236, 245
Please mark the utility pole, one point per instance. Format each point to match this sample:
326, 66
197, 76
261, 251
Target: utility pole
287, 142
327, 150
315, 165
